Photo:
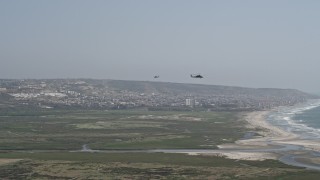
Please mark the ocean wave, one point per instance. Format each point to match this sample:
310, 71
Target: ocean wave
284, 118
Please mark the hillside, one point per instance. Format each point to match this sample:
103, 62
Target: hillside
106, 94
199, 89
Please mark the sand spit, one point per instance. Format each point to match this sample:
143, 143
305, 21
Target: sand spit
253, 156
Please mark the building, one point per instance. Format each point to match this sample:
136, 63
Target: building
190, 102
3, 90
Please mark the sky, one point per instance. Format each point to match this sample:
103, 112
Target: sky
248, 43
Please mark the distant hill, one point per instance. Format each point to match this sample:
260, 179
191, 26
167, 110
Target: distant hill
198, 89
120, 94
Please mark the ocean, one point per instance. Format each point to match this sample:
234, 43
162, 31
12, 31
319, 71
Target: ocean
302, 119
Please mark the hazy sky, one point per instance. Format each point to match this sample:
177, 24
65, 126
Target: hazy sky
270, 43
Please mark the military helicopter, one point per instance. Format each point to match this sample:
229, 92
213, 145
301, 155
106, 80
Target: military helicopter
157, 76
196, 76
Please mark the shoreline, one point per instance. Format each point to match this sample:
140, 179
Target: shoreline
274, 143
275, 134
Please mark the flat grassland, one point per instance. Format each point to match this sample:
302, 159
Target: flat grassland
70, 130
39, 145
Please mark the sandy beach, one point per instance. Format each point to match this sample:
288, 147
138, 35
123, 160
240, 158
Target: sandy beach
269, 133
273, 143
272, 133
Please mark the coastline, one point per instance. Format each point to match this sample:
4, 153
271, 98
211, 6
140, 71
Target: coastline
273, 143
275, 134
269, 133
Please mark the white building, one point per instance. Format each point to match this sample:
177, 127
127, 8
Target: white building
190, 102
3, 89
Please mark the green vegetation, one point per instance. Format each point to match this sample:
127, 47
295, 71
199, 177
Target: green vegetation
66, 165
56, 132
69, 130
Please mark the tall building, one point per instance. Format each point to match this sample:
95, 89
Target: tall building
190, 102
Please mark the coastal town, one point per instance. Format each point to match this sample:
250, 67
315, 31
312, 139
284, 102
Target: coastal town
115, 94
